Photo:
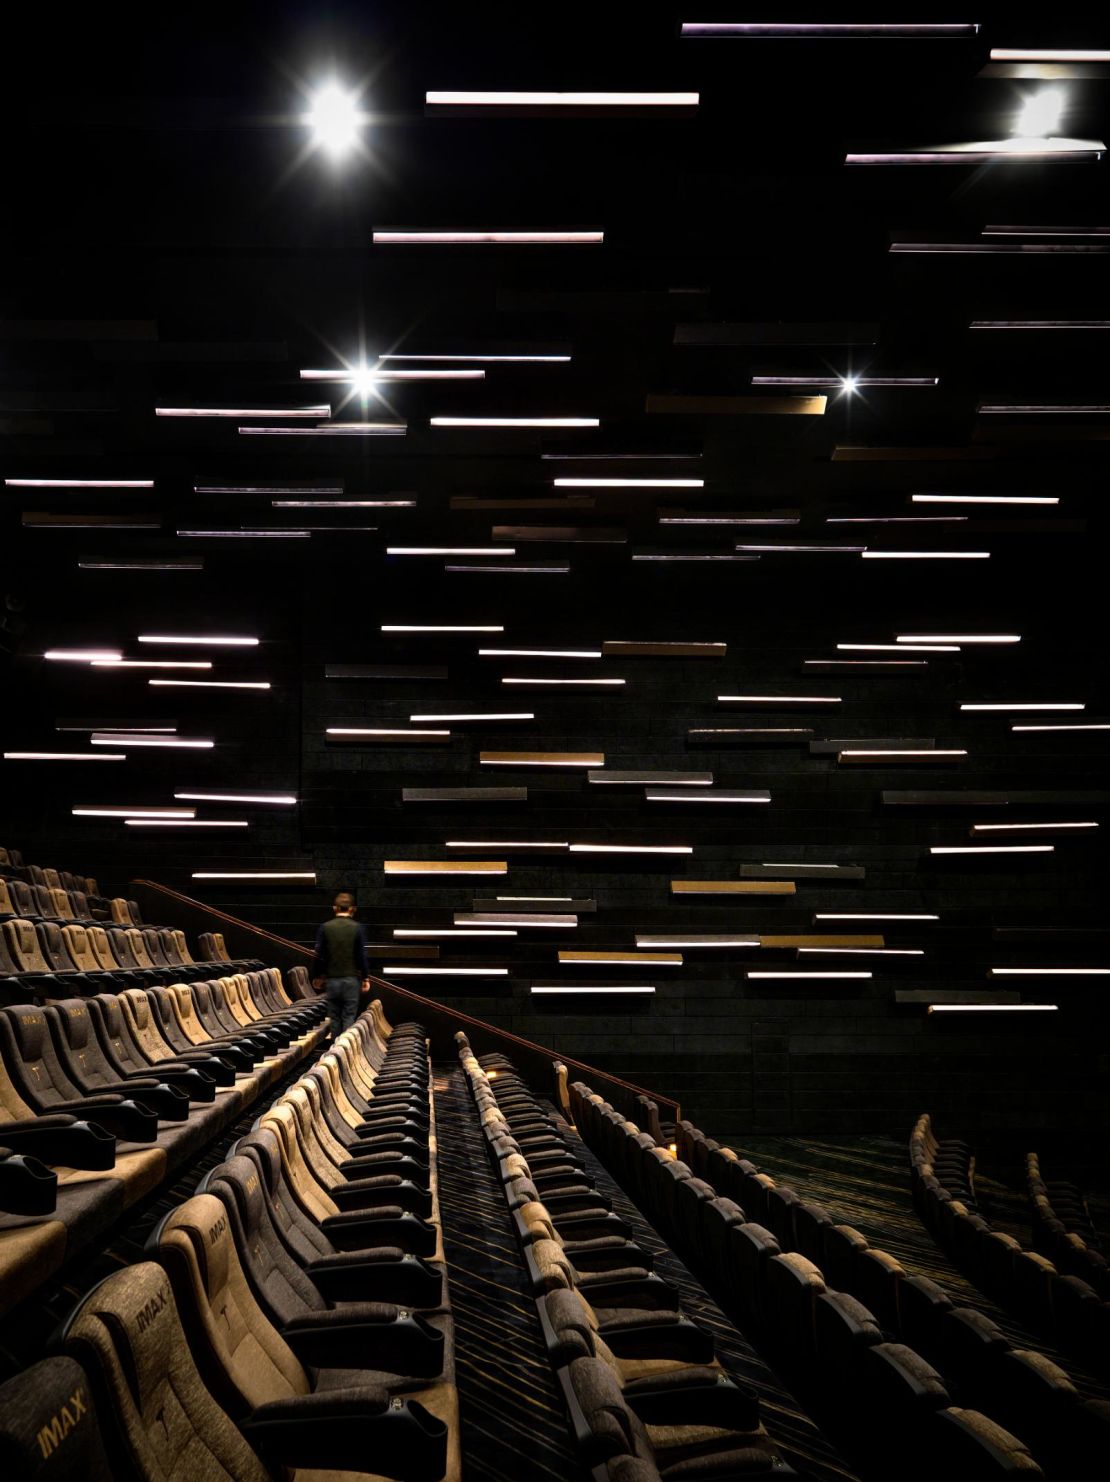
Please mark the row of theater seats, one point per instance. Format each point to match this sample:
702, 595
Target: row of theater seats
292, 1320
1061, 1304
1063, 1229
13, 868
845, 1324
103, 1097
646, 1395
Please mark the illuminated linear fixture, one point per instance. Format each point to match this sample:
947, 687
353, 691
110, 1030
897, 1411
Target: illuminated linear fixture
779, 699
809, 30
694, 939
126, 740
484, 359
309, 412
894, 648
565, 989
83, 655
1089, 726
541, 758
535, 897
448, 238
1033, 972
994, 1008
489, 715
186, 823
365, 376
263, 533
890, 754
874, 916
505, 918
212, 684
303, 489
448, 98
79, 483
343, 504
652, 795
277, 798
808, 550
631, 849
629, 483
137, 563
391, 969
221, 641
1019, 705
530, 681
331, 429
503, 844
151, 664
448, 931
63, 756
1047, 54
622, 959
994, 828
1015, 149
515, 421
992, 848
450, 550
983, 499
1039, 324
641, 779
379, 731
868, 951
1034, 409
802, 976
925, 555
848, 383
133, 812
959, 637
539, 653
442, 628
255, 875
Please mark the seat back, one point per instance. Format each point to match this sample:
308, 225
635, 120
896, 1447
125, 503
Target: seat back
127, 1333
152, 940
184, 1007
52, 945
49, 1428
63, 906
183, 952
137, 942
167, 944
51, 878
23, 898
32, 1059
100, 944
44, 900
23, 946
120, 913
140, 1020
79, 947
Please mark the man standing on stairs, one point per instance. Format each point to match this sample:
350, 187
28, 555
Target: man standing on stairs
339, 966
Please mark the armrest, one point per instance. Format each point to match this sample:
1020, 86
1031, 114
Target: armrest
62, 1140
389, 1226
26, 1185
609, 1253
575, 1199
194, 1082
220, 1071
658, 1335
629, 1288
368, 1164
588, 1224
124, 1119
373, 1193
368, 1335
393, 1142
378, 1275
695, 1396
167, 1102
347, 1429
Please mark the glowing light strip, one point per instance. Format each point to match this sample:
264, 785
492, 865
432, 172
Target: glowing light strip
151, 664
809, 550
544, 99
486, 359
212, 684
925, 555
222, 641
83, 655
133, 812
992, 849
392, 970
255, 875
621, 959
515, 421
631, 849
1033, 972
186, 823
539, 653
63, 756
629, 483
268, 533
489, 715
383, 238
928, 755
694, 940
505, 918
993, 828
447, 931
566, 989
441, 628
997, 1008
79, 483
868, 951
780, 699
450, 550
281, 798
1047, 54
874, 916
845, 383
343, 504
363, 376
533, 682
801, 977
118, 738
1015, 149
378, 731
652, 796
535, 897
893, 648
139, 563
983, 499
959, 637
1092, 726
1019, 705
335, 429
317, 411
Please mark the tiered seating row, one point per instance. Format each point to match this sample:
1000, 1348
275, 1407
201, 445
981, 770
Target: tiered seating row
102, 1098
1062, 1304
646, 1395
1063, 1229
761, 1259
262, 1339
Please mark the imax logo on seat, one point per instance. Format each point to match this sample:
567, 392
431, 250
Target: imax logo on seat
51, 1436
216, 1230
149, 1311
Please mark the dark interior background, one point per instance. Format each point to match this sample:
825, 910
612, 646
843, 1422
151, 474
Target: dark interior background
170, 241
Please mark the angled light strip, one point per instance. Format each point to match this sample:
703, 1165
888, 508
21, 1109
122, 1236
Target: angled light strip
133, 812
302, 489
488, 715
119, 738
220, 641
992, 849
1019, 705
601, 777
379, 731
530, 681
392, 970
925, 555
543, 99
450, 550
515, 421
695, 939
539, 653
63, 756
629, 483
83, 655
652, 795
384, 238
1090, 726
894, 648
803, 976
780, 699
1062, 972
983, 499
448, 931
997, 828
332, 429
874, 916
959, 637
542, 758
445, 867
808, 30
484, 359
255, 875
186, 823
565, 990
277, 798
729, 519
845, 383
310, 412
363, 376
631, 849
996, 1008
151, 664
441, 628
79, 483
212, 684
535, 897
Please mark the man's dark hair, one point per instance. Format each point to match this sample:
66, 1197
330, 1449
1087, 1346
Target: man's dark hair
344, 901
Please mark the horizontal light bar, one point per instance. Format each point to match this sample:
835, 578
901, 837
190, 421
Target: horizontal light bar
484, 359
392, 970
933, 755
119, 738
893, 648
505, 918
442, 628
622, 959
535, 897
488, 239
866, 663
631, 849
1090, 726
651, 795
487, 715
959, 637
138, 563
994, 1008
343, 504
695, 940
867, 951
1040, 324
1047, 54
807, 550
984, 499
604, 778
874, 916
79, 483
310, 412
629, 483
515, 422
274, 489
447, 931
362, 377
331, 429
925, 555
82, 655
565, 990
1019, 705
282, 798
545, 99
1013, 149
1034, 972
187, 823
539, 653
445, 867
151, 664
542, 759
803, 976
994, 828
133, 812
379, 731
255, 875
779, 699
213, 684
450, 550
219, 641
269, 533
809, 30
1042, 409
63, 756
612, 683
503, 844
845, 383
992, 849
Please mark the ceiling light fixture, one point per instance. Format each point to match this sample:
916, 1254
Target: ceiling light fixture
488, 239
335, 119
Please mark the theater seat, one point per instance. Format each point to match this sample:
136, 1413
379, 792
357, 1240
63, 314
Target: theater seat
49, 1427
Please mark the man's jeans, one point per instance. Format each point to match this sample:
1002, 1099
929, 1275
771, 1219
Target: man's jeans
342, 996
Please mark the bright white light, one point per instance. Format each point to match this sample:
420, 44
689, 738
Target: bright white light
874, 916
488, 239
622, 959
133, 812
807, 975
629, 483
118, 738
652, 796
534, 682
1034, 972
849, 384
79, 483
1040, 113
867, 951
515, 421
1047, 54
503, 918
693, 940
186, 823
212, 684
925, 555
151, 664
317, 411
928, 755
517, 759
539, 653
992, 849
779, 699
1092, 726
446, 931
83, 655
491, 715
631, 849
63, 756
239, 797
1000, 1008
1019, 705
215, 642
516, 99
335, 119
893, 648
441, 628
393, 971
486, 359
366, 379
535, 897
450, 550
378, 731
983, 499
255, 875
994, 828
568, 989
959, 637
